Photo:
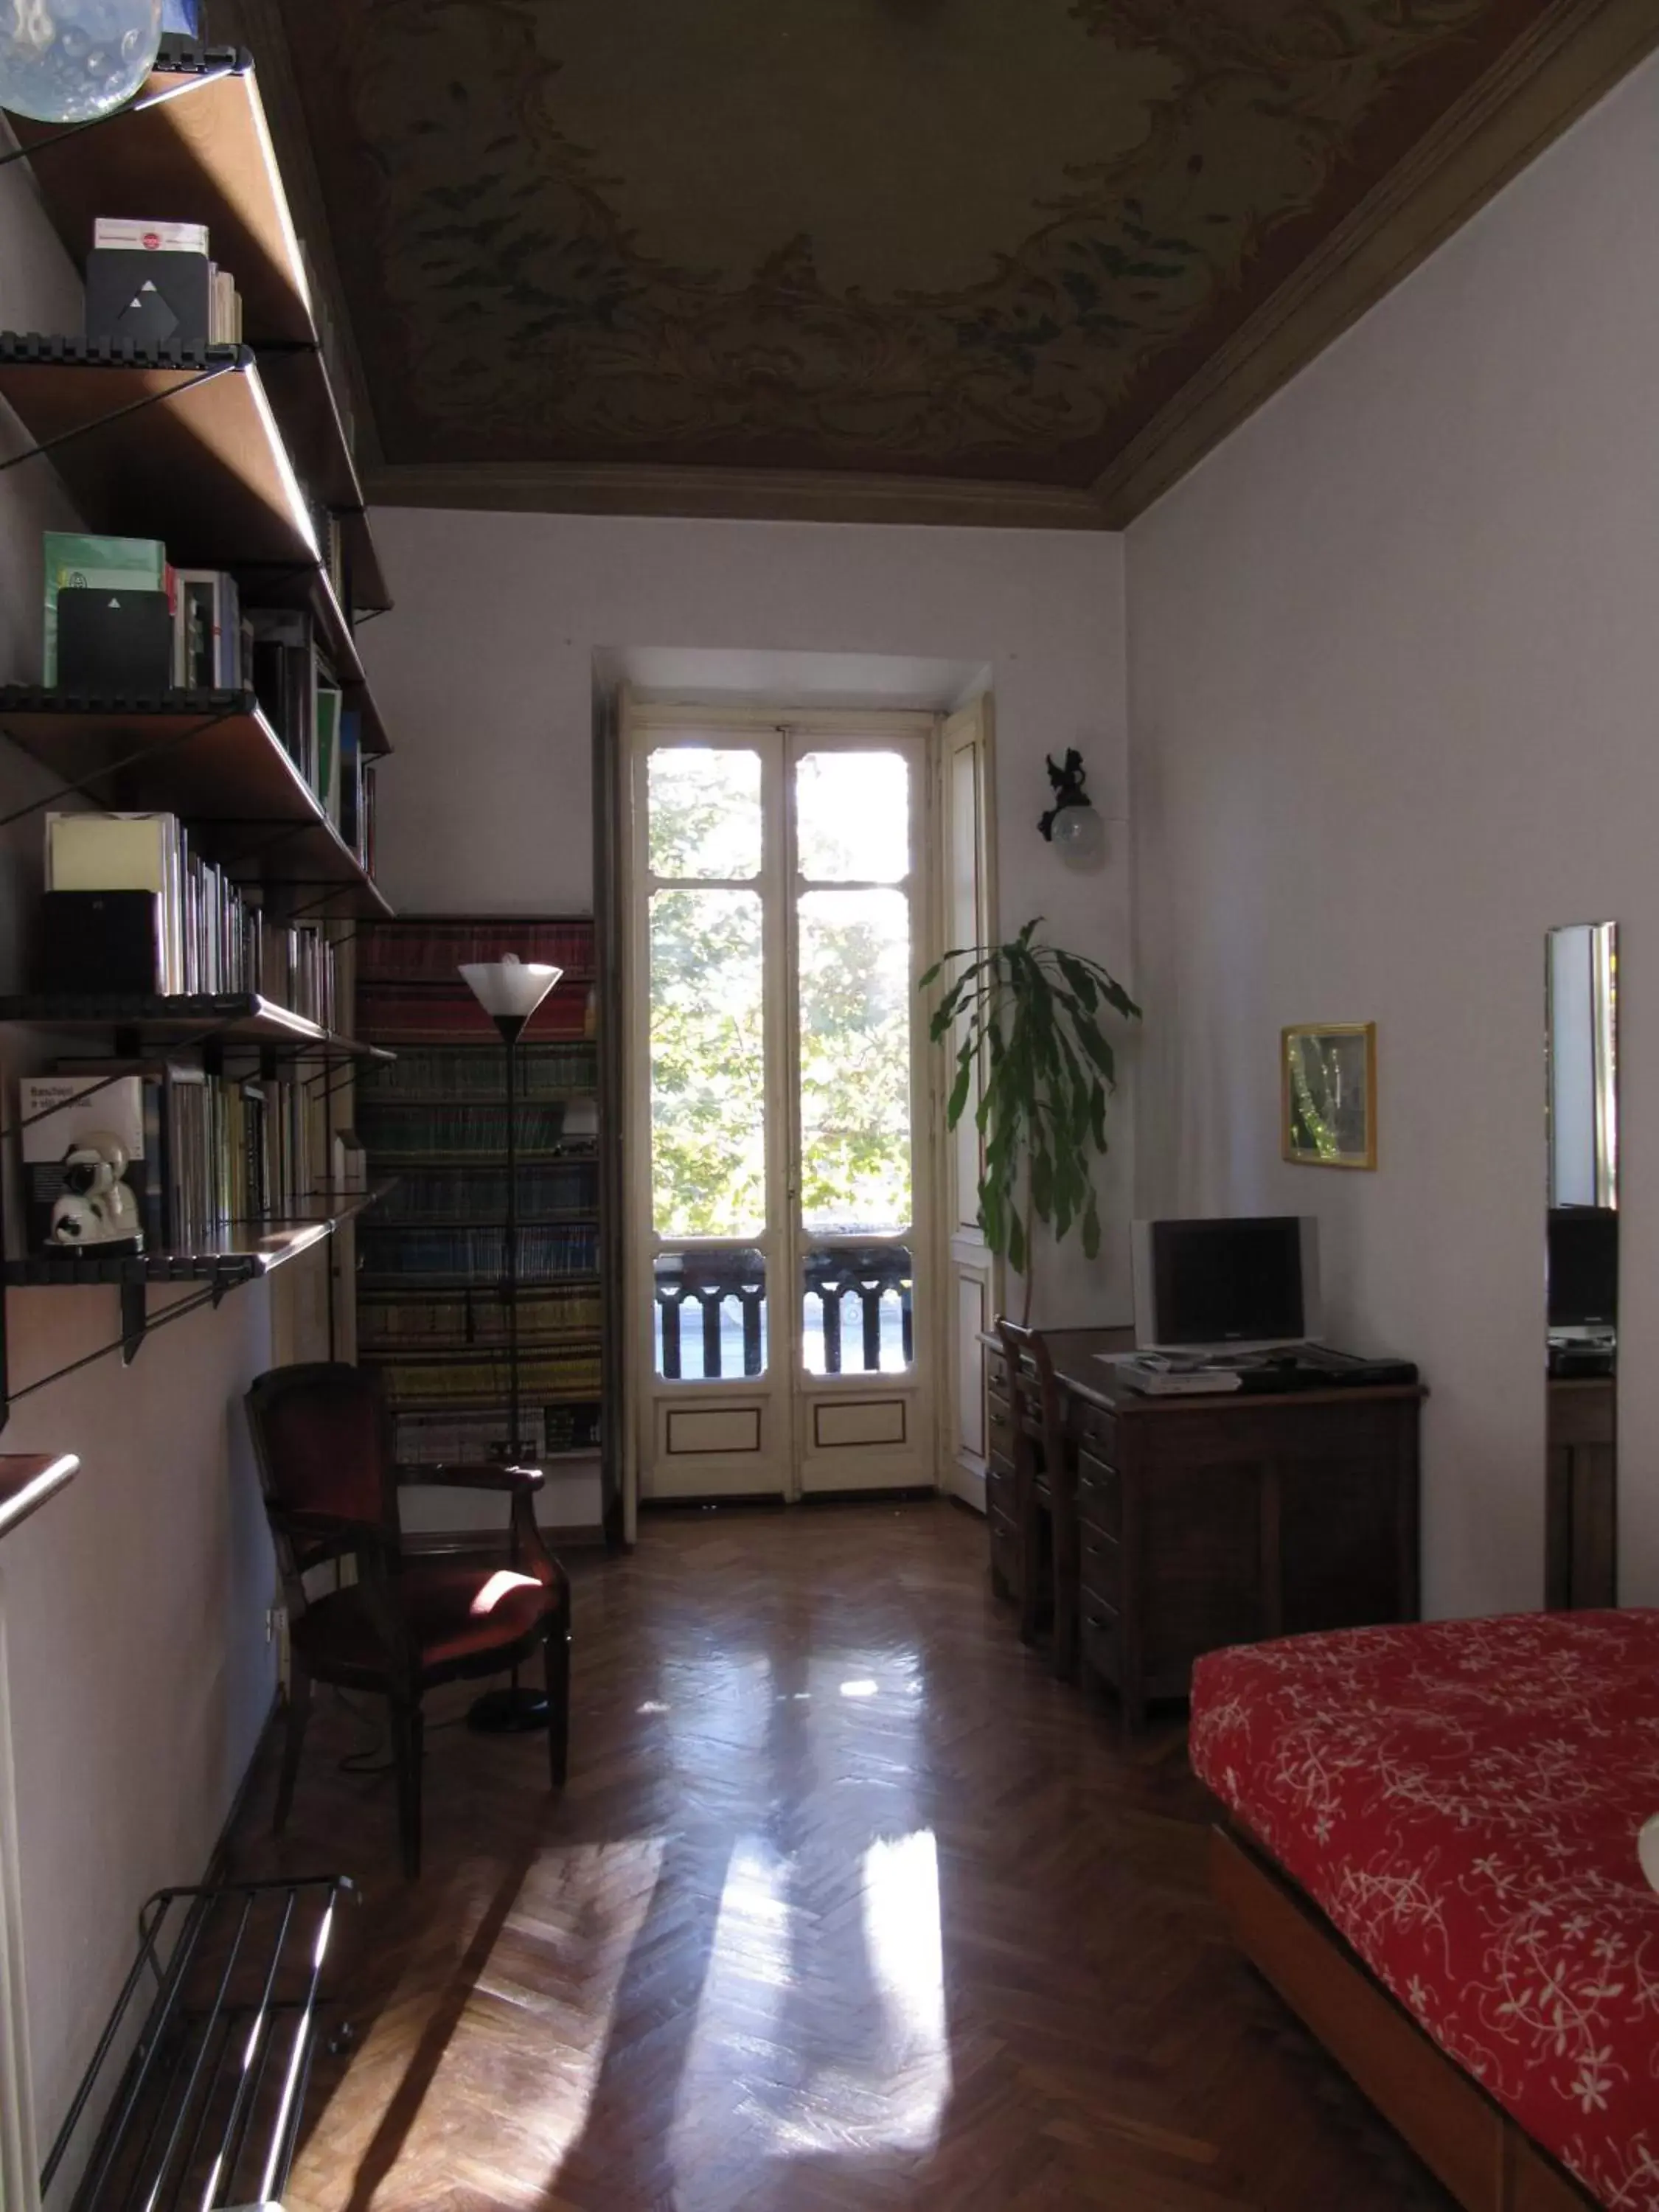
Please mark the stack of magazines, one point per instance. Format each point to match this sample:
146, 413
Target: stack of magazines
1176, 1375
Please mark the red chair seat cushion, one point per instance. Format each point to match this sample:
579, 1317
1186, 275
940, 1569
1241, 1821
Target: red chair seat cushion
457, 1614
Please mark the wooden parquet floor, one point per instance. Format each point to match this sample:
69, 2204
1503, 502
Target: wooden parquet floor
848, 1905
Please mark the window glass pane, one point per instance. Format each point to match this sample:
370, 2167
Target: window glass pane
855, 1059
703, 812
853, 817
711, 1316
707, 1065
856, 1310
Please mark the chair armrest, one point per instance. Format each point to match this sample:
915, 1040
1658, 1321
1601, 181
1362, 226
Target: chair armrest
330, 1528
483, 1476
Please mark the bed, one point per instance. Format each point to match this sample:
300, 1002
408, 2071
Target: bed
1429, 1848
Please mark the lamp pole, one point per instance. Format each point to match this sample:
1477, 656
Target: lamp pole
509, 990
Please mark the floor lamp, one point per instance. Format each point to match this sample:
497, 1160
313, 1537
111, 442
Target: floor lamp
509, 990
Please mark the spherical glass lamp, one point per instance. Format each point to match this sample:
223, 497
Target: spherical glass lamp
71, 61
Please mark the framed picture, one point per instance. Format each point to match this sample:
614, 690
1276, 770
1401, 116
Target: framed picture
1328, 1088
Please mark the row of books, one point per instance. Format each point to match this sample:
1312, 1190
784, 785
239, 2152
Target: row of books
451, 1439
544, 1193
120, 621
427, 1072
155, 283
546, 1251
132, 906
433, 952
404, 1014
420, 1132
130, 1156
463, 1378
476, 1317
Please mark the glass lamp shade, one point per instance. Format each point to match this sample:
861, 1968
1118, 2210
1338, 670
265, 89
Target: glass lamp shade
1078, 835
71, 61
510, 990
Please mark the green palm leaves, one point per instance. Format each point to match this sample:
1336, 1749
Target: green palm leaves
1025, 1018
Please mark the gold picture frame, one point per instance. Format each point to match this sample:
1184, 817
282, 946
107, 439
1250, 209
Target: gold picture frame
1327, 1094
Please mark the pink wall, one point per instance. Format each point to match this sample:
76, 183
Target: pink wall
134, 1603
1393, 682
485, 670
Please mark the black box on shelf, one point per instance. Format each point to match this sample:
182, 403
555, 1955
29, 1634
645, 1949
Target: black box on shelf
101, 941
114, 644
153, 299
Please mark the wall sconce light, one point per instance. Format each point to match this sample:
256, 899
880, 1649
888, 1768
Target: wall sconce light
1072, 823
72, 61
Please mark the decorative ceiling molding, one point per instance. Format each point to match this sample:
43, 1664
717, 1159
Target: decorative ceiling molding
558, 411
1540, 87
740, 494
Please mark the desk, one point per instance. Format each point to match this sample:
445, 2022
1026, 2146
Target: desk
1211, 1520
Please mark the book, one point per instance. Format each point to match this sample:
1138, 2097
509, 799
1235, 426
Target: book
124, 853
84, 1162
350, 819
328, 746
1173, 1375
129, 233
153, 296
82, 561
284, 673
207, 631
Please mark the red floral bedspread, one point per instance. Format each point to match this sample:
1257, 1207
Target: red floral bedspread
1462, 1799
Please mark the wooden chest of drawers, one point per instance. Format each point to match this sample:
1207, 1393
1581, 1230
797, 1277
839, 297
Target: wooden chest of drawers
1220, 1520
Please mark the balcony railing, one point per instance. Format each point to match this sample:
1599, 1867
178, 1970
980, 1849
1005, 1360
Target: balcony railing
857, 1313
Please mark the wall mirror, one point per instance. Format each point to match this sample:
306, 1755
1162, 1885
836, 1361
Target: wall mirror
1581, 985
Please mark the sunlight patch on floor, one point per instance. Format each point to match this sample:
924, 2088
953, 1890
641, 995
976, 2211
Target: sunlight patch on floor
839, 2016
535, 2022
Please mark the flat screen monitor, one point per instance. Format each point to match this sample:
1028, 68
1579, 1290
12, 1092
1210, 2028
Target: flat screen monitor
1583, 1263
1244, 1283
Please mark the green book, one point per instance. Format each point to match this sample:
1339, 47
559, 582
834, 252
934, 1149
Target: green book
77, 562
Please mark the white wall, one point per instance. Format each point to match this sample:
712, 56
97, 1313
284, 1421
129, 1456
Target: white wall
1394, 684
135, 1601
485, 672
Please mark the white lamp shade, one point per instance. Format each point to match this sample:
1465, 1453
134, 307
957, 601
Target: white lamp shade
71, 61
510, 990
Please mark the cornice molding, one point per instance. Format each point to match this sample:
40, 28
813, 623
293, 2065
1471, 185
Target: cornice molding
1544, 83
735, 494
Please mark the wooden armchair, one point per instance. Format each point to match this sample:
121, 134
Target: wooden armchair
323, 1441
1044, 1490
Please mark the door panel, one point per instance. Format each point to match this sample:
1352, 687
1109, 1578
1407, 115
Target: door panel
973, 1294
780, 916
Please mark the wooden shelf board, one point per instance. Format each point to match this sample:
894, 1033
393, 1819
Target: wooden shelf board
569, 979
208, 756
426, 1099
438, 1285
457, 1355
238, 1253
28, 1479
205, 155
406, 1226
235, 1017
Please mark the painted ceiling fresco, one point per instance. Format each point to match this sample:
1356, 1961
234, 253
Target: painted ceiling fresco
942, 238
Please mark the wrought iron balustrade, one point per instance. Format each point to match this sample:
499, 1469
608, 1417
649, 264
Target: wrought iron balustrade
725, 1338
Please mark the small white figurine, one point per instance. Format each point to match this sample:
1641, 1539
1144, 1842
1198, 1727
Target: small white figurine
96, 1207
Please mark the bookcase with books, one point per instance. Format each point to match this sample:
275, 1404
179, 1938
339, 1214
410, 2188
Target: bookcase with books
204, 711
431, 1311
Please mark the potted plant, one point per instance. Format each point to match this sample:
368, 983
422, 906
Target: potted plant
1027, 1016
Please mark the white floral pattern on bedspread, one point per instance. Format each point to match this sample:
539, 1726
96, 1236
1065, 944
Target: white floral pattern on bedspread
1462, 1799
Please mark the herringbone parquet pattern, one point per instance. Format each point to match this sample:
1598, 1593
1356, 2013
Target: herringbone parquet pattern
849, 1903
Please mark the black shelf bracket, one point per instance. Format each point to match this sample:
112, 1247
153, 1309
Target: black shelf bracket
135, 1321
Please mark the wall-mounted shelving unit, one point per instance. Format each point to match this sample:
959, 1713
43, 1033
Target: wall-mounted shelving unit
239, 458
